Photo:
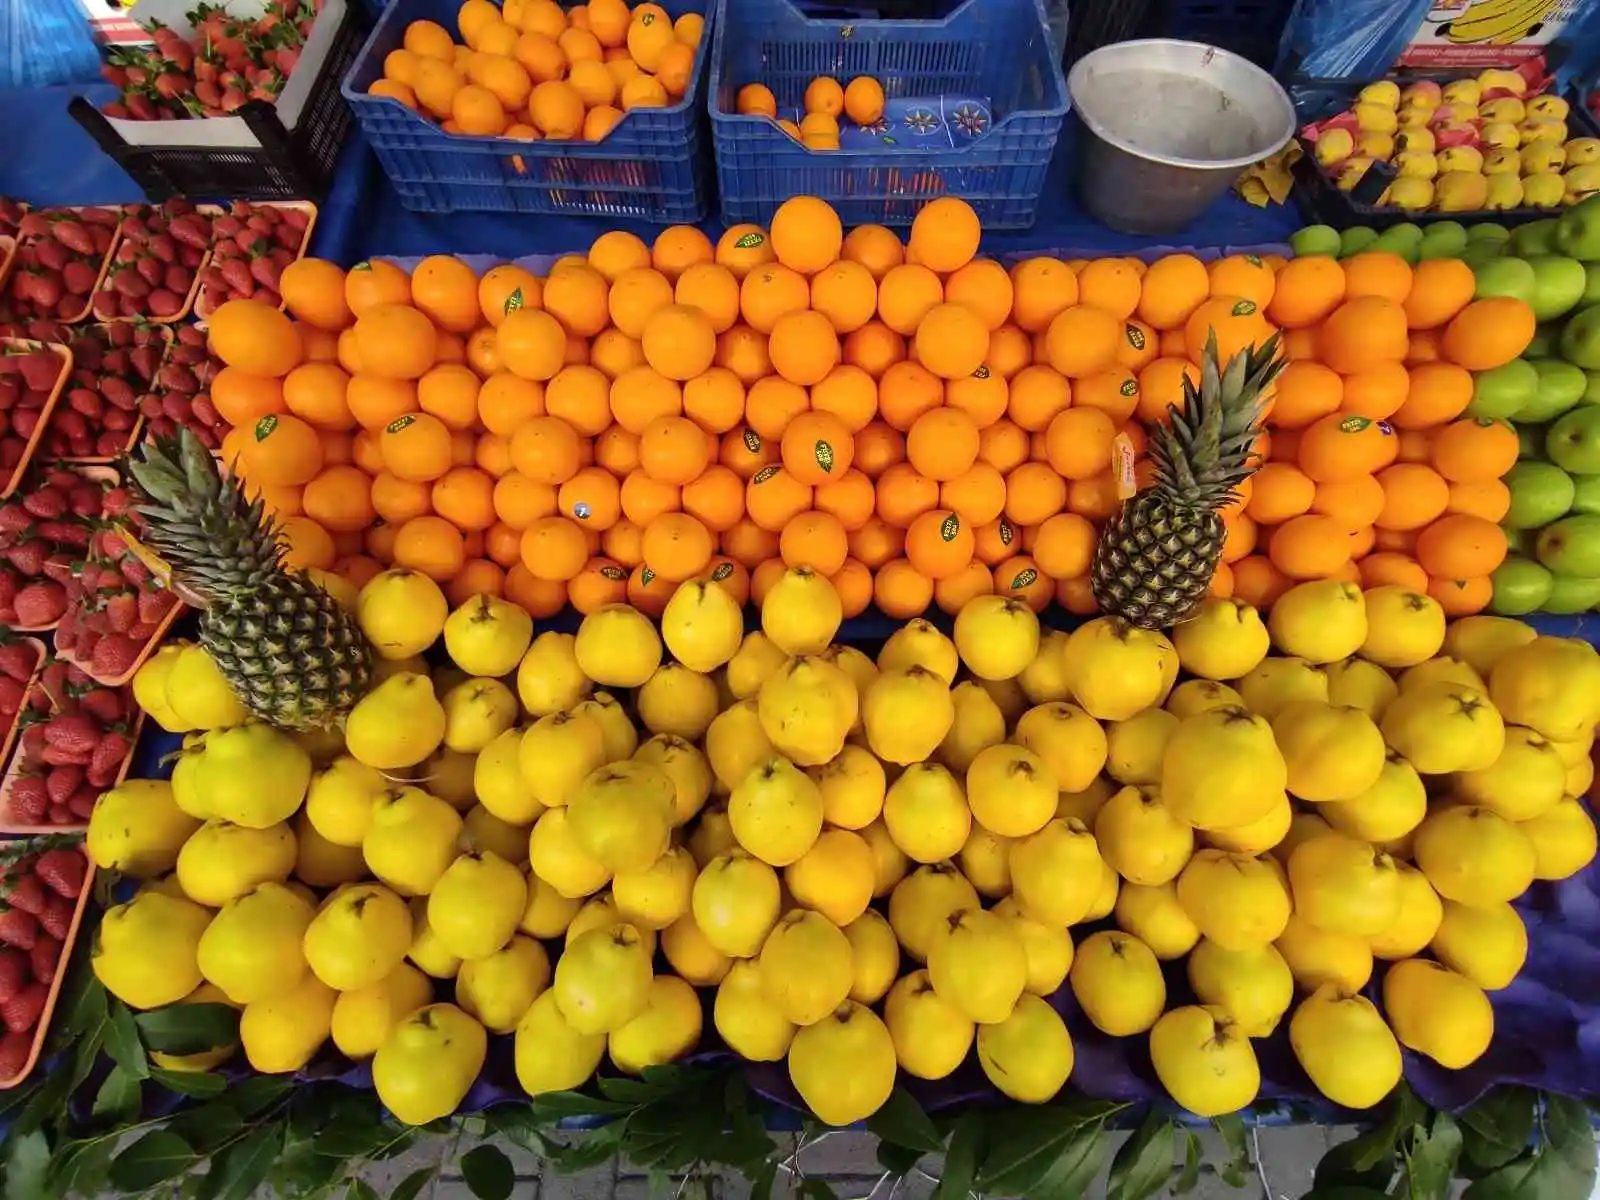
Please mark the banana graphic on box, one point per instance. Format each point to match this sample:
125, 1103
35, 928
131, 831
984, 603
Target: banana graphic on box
1498, 22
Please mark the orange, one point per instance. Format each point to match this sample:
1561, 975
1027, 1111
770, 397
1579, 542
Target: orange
715, 498
1034, 493
545, 450
430, 545
1235, 321
313, 292
622, 542
676, 546
492, 453
578, 297
1083, 340
806, 232
241, 399
258, 339
944, 234
1305, 392
942, 443
416, 447
602, 581
483, 352
581, 396
1377, 392
1462, 597
450, 392
875, 248
1114, 392
951, 341
749, 545
1474, 450
735, 580
1043, 288
1111, 285
1439, 392
939, 544
673, 450
816, 448
1486, 498
744, 451
803, 347
451, 348
1037, 394
338, 449
824, 95
1377, 273
636, 295
906, 294
1243, 275
878, 447
853, 582
395, 341
280, 449
443, 287
711, 288
850, 497
678, 341
1140, 345
1423, 346
977, 495
340, 499
1095, 497
592, 498
983, 396
617, 450
1488, 333
307, 544
1078, 442
1361, 333
1354, 503
640, 396
1257, 582
755, 100
848, 393
464, 496
904, 494
374, 282
1307, 290
1173, 344
814, 539
771, 404
532, 344
984, 287
1278, 492
1020, 577
540, 597
505, 401
1063, 546
541, 56
952, 594
846, 294
1457, 546
714, 400
744, 352
901, 591
321, 345
506, 288
1387, 567
769, 292
1161, 387
1308, 547
554, 549
1003, 445
874, 348
578, 43
679, 247
1440, 288
397, 500
1340, 447
1173, 287
742, 248
773, 497
1077, 595
366, 451
612, 352
996, 541
906, 391
876, 542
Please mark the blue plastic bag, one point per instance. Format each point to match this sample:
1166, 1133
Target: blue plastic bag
46, 43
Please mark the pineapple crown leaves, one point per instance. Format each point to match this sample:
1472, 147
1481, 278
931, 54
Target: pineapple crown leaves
1199, 455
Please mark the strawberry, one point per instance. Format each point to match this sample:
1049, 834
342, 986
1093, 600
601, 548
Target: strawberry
18, 929
11, 695
13, 972
28, 557
56, 918
114, 655
24, 892
14, 519
40, 603
62, 871
136, 573
103, 704
81, 806
62, 782
15, 1049
122, 610
21, 1012
46, 503
17, 660
44, 958
107, 759
60, 756
72, 732
155, 603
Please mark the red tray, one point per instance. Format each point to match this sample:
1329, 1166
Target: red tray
203, 305
42, 1029
65, 355
135, 432
8, 822
10, 741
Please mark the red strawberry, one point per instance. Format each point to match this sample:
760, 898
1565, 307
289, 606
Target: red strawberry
11, 695
46, 503
21, 1012
14, 519
28, 557
13, 973
18, 929
56, 918
73, 732
103, 704
40, 603
15, 1049
59, 756
136, 573
62, 871
17, 660
81, 806
107, 759
44, 958
114, 655
122, 610
62, 782
155, 603
24, 892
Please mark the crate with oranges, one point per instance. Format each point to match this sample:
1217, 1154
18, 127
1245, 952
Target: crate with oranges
917, 422
599, 95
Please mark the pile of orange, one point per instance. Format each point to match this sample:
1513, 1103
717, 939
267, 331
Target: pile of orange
825, 101
919, 424
532, 70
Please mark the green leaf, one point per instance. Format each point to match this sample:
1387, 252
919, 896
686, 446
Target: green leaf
84, 1004
1071, 1174
1367, 1160
154, 1158
628, 1092
961, 1158
902, 1121
557, 1106
360, 1189
488, 1173
203, 1085
122, 1042
764, 1180
1562, 1164
1496, 1129
1430, 1158
207, 1127
1189, 1175
117, 1100
1144, 1162
188, 1028
411, 1186
515, 1122
259, 1093
897, 1159
593, 1149
27, 1161
1236, 1171
1028, 1143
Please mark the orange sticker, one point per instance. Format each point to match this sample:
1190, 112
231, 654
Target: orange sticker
1122, 466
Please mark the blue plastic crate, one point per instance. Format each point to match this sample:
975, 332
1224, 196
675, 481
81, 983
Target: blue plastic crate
651, 166
998, 50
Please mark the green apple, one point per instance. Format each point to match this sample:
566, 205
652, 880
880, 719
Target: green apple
1407, 249
1545, 343
1571, 546
1315, 240
1530, 442
1520, 586
1560, 386
1586, 494
1591, 394
1536, 237
1558, 283
1580, 340
1540, 493
1578, 231
1444, 239
1571, 594
1500, 393
1488, 231
1573, 442
1520, 541
1591, 284
1512, 277
1356, 239
1478, 253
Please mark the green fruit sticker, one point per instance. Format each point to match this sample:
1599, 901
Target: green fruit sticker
950, 527
824, 455
1253, 259
1026, 577
514, 302
646, 576
752, 441
1244, 308
1007, 532
1354, 424
748, 241
265, 426
981, 373
1135, 336
1130, 386
763, 475
399, 423
614, 573
723, 571
647, 19
362, 266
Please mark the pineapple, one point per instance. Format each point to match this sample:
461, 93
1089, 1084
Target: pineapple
1155, 560
294, 655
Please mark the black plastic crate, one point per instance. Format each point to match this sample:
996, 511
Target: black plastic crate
290, 164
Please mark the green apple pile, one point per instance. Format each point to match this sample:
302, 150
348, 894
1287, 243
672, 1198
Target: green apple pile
1412, 242
1552, 396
